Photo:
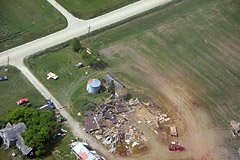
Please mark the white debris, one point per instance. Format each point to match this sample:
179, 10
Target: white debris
134, 144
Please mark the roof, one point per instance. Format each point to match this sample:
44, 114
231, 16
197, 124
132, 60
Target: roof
107, 79
90, 123
11, 132
83, 152
22, 147
8, 125
94, 83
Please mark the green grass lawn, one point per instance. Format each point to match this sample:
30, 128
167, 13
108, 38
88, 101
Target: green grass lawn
25, 20
88, 9
62, 150
70, 88
15, 88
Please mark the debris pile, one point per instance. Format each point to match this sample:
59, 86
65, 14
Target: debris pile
175, 146
173, 131
151, 115
79, 65
109, 123
235, 128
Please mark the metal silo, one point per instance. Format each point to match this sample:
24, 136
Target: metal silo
93, 86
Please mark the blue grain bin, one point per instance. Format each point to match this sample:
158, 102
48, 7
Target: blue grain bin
93, 86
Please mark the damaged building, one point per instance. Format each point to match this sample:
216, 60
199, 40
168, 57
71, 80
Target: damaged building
120, 90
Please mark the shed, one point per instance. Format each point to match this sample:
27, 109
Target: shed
107, 81
93, 86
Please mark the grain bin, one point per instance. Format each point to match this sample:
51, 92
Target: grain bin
93, 86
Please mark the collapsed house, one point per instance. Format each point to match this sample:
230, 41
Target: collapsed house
90, 122
11, 136
109, 123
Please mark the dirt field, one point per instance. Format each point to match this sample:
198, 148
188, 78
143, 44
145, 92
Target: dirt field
202, 140
185, 57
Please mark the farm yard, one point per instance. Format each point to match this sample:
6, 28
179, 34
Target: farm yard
70, 87
25, 20
17, 87
89, 9
185, 58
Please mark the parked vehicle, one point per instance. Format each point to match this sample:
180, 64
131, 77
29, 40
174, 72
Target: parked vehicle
3, 78
22, 101
175, 146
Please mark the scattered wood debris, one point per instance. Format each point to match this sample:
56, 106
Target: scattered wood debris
173, 131
79, 65
151, 115
235, 128
109, 123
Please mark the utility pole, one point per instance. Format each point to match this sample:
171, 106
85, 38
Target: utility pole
89, 29
8, 60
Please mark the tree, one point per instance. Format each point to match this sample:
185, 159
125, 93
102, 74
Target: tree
111, 88
76, 45
41, 127
2, 124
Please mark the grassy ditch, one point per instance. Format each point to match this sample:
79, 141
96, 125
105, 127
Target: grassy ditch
89, 9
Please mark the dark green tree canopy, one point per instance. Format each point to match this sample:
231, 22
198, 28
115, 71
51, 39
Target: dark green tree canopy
111, 88
41, 127
76, 45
